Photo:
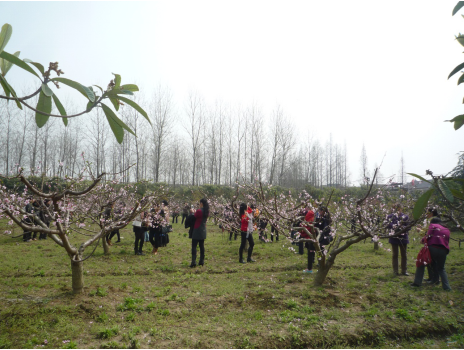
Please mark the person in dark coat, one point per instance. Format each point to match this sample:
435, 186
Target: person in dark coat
44, 217
199, 232
156, 228
28, 221
396, 222
190, 222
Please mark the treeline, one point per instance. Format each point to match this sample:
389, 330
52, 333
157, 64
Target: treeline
193, 144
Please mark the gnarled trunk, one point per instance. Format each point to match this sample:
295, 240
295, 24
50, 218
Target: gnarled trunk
77, 268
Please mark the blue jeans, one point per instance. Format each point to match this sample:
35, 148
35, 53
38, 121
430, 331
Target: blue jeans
439, 259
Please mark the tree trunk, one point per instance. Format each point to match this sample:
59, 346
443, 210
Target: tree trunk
106, 247
324, 269
77, 268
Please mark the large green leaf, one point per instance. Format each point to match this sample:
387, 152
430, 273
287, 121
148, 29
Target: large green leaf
455, 70
37, 65
421, 203
130, 87
117, 81
460, 39
44, 105
9, 90
458, 6
118, 131
419, 177
458, 121
5, 35
60, 109
6, 65
116, 124
20, 63
46, 90
135, 106
84, 90
445, 190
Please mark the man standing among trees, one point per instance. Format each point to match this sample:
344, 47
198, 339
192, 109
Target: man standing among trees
396, 221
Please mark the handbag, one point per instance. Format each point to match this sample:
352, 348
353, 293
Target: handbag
424, 257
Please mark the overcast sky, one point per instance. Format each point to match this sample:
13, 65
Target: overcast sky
367, 72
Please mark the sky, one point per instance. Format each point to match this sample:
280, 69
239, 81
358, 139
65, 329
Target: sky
366, 72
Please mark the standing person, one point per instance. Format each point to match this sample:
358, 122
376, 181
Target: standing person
156, 225
28, 221
323, 222
44, 217
190, 222
118, 211
438, 242
309, 218
431, 213
139, 228
246, 218
397, 221
185, 212
199, 232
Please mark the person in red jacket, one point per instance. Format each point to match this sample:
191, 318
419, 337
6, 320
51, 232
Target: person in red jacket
246, 220
309, 218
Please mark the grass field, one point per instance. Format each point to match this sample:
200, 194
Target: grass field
159, 302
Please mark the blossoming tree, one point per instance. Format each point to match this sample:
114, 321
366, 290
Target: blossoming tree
79, 209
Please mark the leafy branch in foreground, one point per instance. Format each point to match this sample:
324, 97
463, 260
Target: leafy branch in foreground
43, 109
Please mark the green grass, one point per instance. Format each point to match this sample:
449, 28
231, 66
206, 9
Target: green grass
149, 301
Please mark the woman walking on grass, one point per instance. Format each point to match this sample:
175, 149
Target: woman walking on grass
199, 232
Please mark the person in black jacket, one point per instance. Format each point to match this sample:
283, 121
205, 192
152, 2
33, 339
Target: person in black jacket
28, 221
323, 222
190, 222
156, 228
44, 217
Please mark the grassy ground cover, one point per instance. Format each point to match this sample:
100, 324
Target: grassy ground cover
159, 302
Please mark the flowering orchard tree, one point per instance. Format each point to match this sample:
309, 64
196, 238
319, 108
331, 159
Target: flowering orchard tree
86, 209
47, 97
353, 220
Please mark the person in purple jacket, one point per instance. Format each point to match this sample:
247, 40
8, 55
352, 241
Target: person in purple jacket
438, 243
396, 222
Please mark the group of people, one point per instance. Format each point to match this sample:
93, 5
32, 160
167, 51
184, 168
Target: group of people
154, 221
36, 210
435, 239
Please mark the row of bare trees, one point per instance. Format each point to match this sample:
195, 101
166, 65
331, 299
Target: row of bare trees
196, 143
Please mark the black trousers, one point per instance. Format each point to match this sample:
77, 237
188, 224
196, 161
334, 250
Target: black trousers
273, 229
196, 242
113, 233
139, 239
184, 216
251, 244
311, 254
233, 232
175, 217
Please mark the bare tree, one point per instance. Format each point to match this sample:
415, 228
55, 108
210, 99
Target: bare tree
161, 114
195, 128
